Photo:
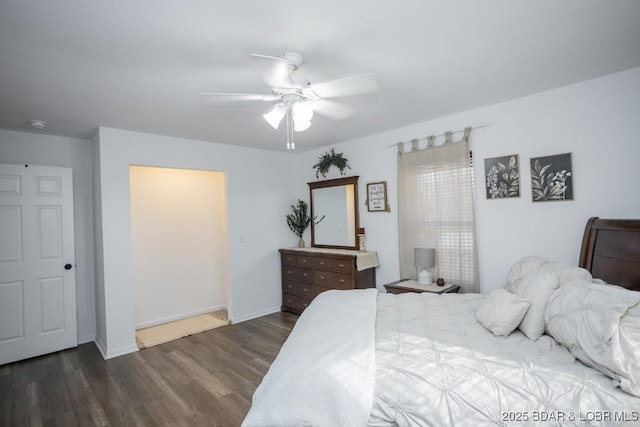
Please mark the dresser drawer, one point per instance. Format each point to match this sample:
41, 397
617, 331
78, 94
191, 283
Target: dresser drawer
305, 261
295, 303
342, 265
330, 279
288, 259
299, 289
306, 274
296, 274
322, 263
319, 262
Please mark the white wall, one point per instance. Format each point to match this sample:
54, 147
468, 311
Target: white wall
23, 147
597, 121
179, 243
100, 291
260, 190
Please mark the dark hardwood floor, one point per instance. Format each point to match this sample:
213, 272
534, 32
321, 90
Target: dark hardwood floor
206, 379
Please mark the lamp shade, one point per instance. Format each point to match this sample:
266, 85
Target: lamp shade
302, 114
424, 257
274, 115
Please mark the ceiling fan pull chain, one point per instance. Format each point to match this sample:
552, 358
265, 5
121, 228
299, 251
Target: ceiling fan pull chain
290, 144
293, 143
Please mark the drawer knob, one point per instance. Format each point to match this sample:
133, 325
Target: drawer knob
304, 260
304, 274
289, 286
306, 290
341, 280
341, 265
321, 277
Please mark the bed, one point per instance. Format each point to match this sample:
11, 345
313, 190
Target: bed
558, 345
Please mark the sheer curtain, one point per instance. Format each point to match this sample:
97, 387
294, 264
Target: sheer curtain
435, 198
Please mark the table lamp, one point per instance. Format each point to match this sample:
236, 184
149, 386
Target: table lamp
424, 259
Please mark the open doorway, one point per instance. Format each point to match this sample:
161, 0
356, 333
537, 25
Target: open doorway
179, 243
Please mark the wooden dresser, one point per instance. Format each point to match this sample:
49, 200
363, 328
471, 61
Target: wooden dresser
306, 274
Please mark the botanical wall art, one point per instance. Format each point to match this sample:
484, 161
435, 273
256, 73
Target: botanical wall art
552, 178
502, 177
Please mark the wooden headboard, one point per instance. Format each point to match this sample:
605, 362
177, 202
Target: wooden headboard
611, 251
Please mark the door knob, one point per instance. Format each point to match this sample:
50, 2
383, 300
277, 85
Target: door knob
67, 266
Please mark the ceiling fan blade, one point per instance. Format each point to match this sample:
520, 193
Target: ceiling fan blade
223, 98
354, 85
273, 71
332, 109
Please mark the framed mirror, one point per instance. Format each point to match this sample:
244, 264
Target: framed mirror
336, 202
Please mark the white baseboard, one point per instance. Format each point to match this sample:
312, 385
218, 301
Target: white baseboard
86, 339
132, 348
254, 315
181, 316
101, 347
110, 353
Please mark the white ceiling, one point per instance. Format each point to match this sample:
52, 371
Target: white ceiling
140, 65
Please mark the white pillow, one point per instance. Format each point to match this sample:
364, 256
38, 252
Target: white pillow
537, 288
527, 265
626, 351
600, 325
565, 273
535, 264
501, 312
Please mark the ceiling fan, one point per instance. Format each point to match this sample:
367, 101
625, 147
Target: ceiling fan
293, 101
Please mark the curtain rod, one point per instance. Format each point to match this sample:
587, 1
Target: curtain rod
436, 136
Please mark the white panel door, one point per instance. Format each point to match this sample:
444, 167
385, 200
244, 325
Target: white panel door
37, 275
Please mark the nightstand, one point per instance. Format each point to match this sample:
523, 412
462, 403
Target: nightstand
405, 285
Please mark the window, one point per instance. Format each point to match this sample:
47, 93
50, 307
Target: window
435, 191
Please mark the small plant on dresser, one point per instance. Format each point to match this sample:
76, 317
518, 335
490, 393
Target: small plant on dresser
299, 220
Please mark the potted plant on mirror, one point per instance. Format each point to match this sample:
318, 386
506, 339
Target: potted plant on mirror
328, 159
299, 220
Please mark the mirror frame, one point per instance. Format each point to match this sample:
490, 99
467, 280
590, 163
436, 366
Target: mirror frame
336, 183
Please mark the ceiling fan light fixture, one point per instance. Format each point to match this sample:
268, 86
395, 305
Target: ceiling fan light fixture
296, 102
302, 115
299, 125
274, 115
302, 111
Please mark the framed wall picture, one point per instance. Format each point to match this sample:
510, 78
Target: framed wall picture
377, 197
551, 178
502, 177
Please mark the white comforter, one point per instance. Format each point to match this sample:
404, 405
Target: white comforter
325, 372
436, 365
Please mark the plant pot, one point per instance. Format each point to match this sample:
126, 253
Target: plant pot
301, 243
